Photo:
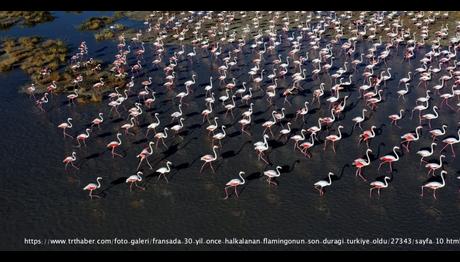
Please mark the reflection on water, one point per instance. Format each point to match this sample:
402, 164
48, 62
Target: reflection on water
37, 198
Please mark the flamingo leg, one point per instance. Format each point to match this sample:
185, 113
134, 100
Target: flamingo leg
140, 162
201, 170
74, 165
210, 164
226, 192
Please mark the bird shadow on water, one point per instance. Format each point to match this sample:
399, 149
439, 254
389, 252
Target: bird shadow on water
232, 153
376, 156
289, 168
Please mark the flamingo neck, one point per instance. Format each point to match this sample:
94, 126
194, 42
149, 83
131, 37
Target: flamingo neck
397, 156
278, 171
119, 139
215, 153
243, 181
98, 183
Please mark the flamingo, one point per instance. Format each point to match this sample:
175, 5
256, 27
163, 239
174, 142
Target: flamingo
261, 147
244, 122
39, 103
409, 137
315, 129
307, 145
435, 184
435, 166
360, 163
115, 144
83, 137
153, 125
270, 174
268, 124
394, 118
208, 88
64, 126
128, 126
208, 159
219, 136
451, 141
133, 179
403, 92
99, 84
438, 132
177, 128
144, 154
359, 119
425, 153
162, 136
92, 186
211, 128
430, 117
72, 97
389, 159
97, 121
333, 138
235, 183
378, 185
321, 184
302, 111
298, 138
69, 160
164, 170
177, 114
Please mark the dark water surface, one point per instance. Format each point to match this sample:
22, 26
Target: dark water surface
38, 199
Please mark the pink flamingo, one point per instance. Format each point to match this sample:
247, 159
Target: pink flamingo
409, 137
438, 132
69, 160
128, 126
64, 126
270, 174
389, 159
367, 135
320, 185
97, 121
161, 136
115, 144
394, 118
435, 166
164, 170
208, 159
451, 141
134, 179
305, 146
378, 185
435, 185
360, 163
235, 183
92, 186
333, 138
144, 154
83, 137
72, 97
298, 138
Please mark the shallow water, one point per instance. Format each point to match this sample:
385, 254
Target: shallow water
39, 199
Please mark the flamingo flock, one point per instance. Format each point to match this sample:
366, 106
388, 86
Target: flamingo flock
321, 70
